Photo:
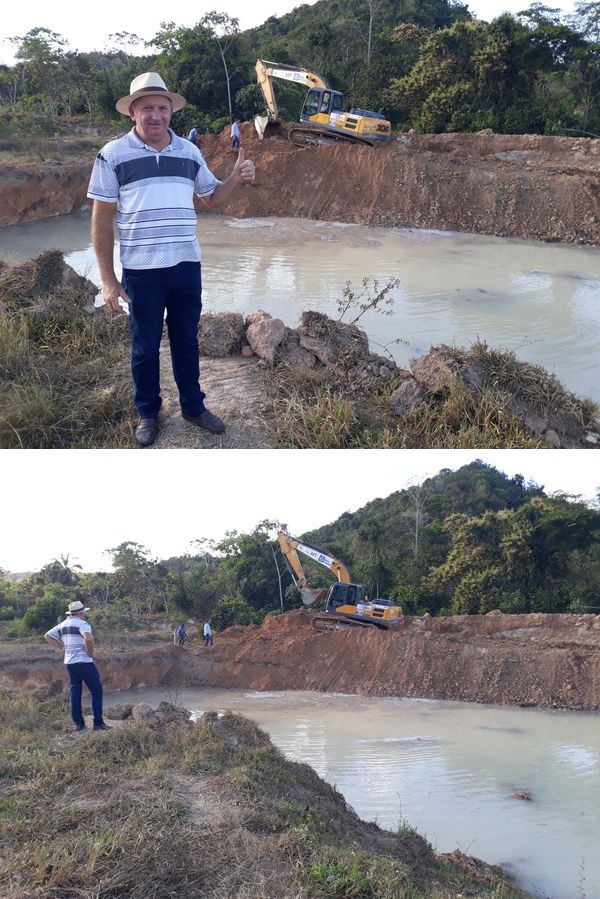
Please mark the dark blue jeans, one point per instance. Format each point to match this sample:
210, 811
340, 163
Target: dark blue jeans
178, 290
81, 673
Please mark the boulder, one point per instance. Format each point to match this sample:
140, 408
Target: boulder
221, 334
264, 334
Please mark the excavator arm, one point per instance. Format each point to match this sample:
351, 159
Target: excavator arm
267, 71
290, 547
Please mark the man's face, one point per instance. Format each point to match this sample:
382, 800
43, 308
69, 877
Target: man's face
152, 116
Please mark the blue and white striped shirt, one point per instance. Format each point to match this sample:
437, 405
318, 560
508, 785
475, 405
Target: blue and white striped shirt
154, 193
70, 633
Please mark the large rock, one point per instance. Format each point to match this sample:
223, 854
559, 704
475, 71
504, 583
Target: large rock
221, 334
264, 334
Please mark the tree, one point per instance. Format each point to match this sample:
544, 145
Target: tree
224, 29
60, 571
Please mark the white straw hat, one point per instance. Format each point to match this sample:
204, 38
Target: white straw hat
149, 84
75, 607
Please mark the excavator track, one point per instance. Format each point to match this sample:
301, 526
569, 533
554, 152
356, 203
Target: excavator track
324, 623
309, 136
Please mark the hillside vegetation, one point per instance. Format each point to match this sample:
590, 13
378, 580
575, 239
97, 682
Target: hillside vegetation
464, 542
432, 66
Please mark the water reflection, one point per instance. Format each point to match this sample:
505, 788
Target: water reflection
541, 301
450, 770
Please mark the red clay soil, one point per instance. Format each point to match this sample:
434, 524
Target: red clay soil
549, 661
523, 186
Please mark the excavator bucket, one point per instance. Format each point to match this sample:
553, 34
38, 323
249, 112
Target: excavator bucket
311, 595
260, 123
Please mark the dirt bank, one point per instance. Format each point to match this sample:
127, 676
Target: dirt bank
549, 661
524, 186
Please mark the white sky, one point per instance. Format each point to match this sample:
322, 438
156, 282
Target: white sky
82, 502
88, 29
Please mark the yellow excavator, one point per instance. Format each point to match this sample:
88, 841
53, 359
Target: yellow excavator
346, 605
323, 118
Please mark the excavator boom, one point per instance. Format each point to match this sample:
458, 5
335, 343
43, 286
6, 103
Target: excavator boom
290, 547
346, 606
322, 118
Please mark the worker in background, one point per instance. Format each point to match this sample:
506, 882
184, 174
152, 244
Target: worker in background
181, 635
193, 135
235, 134
208, 634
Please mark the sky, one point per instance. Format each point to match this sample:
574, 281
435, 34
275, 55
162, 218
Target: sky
83, 502
89, 30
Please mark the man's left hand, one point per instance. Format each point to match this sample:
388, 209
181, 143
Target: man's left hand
244, 168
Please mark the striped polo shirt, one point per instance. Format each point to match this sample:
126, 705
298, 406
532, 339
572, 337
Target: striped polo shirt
154, 193
70, 633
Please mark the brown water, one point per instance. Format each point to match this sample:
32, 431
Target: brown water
540, 300
447, 769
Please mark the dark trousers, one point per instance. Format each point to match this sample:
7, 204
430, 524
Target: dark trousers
81, 673
178, 291
235, 143
208, 640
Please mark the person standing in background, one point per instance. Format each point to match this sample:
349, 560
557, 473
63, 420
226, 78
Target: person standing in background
235, 134
208, 634
74, 636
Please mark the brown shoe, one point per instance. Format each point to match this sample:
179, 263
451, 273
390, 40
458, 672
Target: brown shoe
146, 431
207, 420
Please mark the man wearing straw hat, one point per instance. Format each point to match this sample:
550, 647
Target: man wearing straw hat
147, 179
74, 636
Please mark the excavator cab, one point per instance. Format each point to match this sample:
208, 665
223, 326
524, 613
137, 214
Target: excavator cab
319, 103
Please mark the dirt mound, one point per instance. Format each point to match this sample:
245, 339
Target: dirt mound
550, 661
523, 186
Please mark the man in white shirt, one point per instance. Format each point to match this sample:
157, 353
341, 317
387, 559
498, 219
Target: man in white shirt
147, 181
74, 636
208, 636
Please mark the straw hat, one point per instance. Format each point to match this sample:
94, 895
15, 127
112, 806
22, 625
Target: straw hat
75, 607
149, 84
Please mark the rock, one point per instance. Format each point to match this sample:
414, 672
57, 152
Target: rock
247, 352
141, 710
409, 396
435, 370
119, 712
264, 334
221, 334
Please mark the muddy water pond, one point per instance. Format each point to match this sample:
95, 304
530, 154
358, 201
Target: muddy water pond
540, 300
452, 771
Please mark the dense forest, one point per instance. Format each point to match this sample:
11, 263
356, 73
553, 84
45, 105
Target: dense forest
463, 542
429, 64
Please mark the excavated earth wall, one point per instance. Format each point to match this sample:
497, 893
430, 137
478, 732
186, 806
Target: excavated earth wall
548, 661
523, 186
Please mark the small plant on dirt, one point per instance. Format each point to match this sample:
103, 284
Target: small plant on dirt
370, 297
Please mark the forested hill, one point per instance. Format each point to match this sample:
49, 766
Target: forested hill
430, 65
470, 541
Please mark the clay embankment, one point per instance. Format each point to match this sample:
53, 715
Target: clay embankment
523, 186
549, 661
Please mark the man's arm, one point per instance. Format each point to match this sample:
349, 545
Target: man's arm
243, 173
53, 641
88, 642
103, 240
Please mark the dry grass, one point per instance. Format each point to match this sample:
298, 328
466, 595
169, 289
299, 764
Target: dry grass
320, 410
64, 373
526, 382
